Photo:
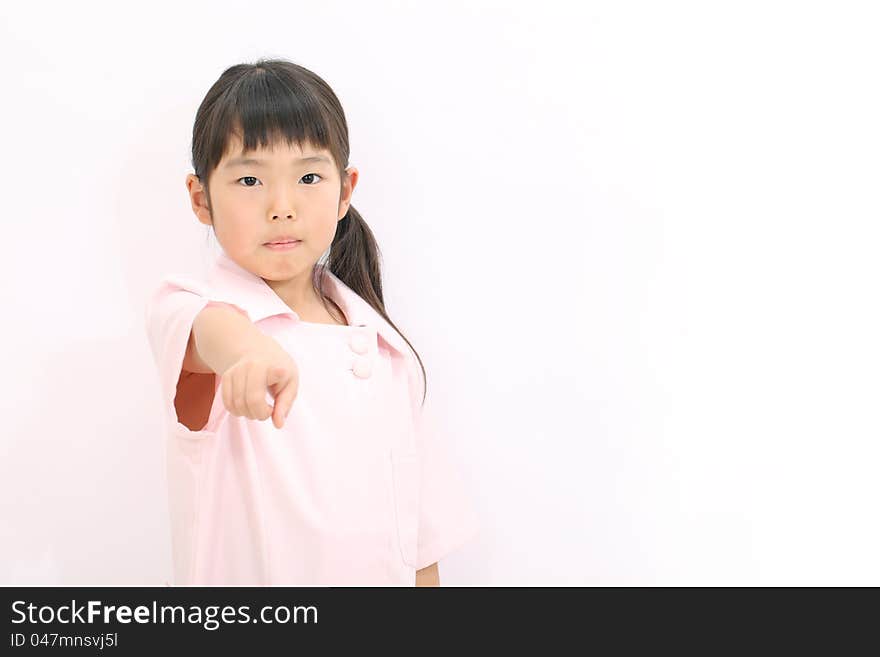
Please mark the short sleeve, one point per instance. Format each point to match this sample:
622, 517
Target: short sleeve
168, 316
448, 518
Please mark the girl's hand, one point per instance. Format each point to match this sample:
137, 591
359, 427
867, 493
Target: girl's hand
264, 367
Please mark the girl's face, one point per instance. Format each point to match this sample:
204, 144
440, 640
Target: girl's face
268, 194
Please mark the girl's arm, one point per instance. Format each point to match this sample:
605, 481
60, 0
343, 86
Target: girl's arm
220, 334
208, 347
224, 343
428, 576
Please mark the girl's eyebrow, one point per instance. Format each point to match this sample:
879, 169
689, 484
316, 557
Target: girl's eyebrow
239, 161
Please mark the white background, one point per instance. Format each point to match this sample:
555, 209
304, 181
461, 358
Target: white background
636, 245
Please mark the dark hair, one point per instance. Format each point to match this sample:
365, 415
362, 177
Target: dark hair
275, 99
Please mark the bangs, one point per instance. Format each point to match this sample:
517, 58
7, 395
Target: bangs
262, 109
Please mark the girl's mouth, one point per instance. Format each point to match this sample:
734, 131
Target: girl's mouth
286, 245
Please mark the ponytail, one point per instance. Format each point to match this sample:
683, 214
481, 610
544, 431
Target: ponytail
355, 260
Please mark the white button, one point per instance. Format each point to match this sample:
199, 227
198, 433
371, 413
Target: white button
358, 343
362, 367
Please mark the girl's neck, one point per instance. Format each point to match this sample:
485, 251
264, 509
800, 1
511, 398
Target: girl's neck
303, 300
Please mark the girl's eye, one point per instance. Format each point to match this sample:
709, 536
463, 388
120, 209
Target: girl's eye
254, 178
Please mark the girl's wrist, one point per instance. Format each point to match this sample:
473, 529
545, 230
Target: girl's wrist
222, 334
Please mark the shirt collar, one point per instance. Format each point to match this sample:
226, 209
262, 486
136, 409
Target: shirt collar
232, 283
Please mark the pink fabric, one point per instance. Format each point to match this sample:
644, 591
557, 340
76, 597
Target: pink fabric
357, 488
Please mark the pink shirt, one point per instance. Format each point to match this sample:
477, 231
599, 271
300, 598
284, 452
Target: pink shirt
356, 488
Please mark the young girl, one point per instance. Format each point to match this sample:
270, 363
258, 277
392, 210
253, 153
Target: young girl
346, 484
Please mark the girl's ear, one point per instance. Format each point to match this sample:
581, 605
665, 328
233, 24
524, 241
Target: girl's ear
348, 184
198, 198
